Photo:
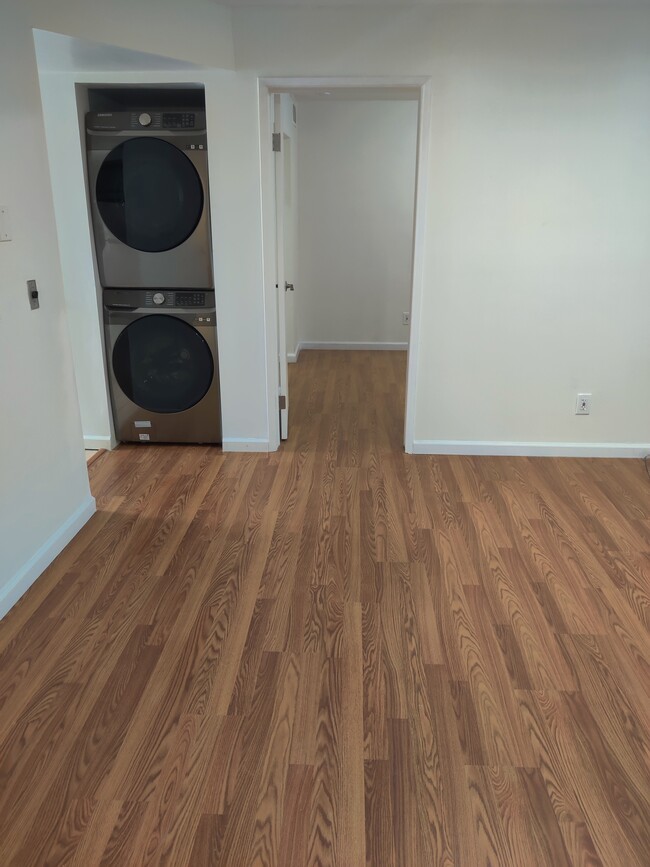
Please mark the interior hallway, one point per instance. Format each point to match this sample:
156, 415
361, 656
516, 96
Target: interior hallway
336, 654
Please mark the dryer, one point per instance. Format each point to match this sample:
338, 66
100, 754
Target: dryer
163, 371
148, 185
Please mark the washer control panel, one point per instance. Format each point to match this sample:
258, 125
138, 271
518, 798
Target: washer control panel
162, 299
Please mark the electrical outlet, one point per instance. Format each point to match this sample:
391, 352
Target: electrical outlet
406, 318
583, 404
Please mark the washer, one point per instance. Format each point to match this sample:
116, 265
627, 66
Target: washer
148, 185
161, 348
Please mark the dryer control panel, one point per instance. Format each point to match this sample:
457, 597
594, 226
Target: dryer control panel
158, 298
179, 120
145, 119
170, 298
189, 299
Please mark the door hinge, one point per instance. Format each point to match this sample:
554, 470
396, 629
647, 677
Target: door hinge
276, 141
282, 400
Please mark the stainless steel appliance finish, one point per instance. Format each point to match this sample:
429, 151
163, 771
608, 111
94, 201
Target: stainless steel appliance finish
148, 184
161, 348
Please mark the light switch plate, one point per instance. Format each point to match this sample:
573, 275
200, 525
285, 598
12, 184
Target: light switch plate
5, 227
32, 294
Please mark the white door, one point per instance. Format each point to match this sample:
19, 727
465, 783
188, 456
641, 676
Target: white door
281, 277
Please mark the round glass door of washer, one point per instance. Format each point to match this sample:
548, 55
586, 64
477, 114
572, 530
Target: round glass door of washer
162, 364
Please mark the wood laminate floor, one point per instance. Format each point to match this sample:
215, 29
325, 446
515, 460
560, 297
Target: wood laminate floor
336, 654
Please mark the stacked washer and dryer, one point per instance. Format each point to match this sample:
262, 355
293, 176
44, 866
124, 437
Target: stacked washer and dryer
148, 184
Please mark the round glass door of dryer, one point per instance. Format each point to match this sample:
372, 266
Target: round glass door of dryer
162, 364
149, 194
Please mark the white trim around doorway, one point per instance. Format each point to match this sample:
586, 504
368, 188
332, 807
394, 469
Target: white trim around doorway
419, 84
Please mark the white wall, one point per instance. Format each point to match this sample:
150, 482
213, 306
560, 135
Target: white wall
537, 255
356, 192
44, 492
202, 36
64, 121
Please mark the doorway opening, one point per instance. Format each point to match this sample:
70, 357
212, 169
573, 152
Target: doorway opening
343, 194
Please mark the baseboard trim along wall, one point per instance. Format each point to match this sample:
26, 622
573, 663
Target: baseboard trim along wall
36, 565
378, 345
251, 444
93, 442
530, 449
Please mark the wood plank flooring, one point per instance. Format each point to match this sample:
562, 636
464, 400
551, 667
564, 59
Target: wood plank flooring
337, 654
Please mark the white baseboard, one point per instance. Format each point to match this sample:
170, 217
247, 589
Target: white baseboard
378, 345
23, 579
93, 442
292, 357
530, 449
250, 444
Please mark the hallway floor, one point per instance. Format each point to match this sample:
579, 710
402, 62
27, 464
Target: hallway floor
336, 654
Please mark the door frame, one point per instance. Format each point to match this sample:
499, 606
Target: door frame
280, 263
422, 89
